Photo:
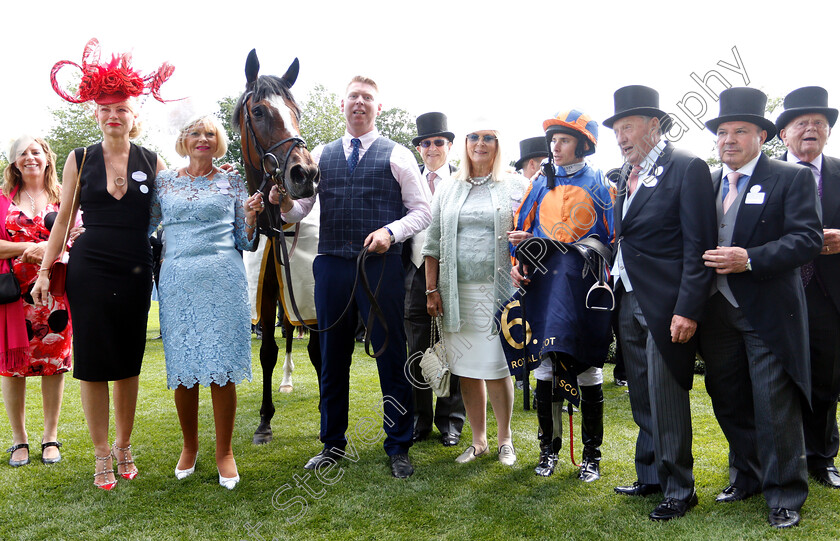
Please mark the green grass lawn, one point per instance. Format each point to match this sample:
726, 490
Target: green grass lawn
443, 500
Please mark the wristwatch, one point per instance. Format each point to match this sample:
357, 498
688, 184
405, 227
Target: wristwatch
393, 238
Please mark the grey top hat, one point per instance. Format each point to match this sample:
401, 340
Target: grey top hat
743, 104
638, 100
431, 124
805, 100
533, 147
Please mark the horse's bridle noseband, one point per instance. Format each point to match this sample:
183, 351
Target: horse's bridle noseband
265, 155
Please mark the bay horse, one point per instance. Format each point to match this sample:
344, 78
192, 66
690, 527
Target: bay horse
267, 118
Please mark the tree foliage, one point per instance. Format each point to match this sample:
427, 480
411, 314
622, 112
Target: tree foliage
399, 126
74, 127
234, 151
321, 120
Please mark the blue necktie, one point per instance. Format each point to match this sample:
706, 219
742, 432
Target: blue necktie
353, 160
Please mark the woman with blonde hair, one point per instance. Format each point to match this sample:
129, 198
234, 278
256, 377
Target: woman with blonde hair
37, 339
204, 311
109, 276
467, 268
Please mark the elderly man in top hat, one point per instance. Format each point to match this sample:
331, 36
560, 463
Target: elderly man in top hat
532, 152
804, 126
754, 332
664, 222
433, 142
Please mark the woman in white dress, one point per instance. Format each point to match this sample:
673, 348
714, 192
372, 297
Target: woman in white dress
467, 278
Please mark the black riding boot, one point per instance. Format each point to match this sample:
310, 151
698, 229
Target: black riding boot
592, 431
550, 442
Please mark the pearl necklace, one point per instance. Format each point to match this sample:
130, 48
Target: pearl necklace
478, 181
205, 175
32, 199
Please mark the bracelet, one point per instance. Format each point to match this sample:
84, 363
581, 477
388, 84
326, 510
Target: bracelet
42, 269
430, 291
250, 226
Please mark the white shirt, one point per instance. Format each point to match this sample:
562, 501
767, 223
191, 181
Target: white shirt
646, 171
816, 163
414, 188
420, 237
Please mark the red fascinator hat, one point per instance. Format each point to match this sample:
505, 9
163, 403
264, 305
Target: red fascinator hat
111, 82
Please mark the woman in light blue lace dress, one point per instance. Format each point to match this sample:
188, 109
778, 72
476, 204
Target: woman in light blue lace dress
204, 313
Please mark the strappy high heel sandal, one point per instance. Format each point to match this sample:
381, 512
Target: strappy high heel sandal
127, 459
103, 459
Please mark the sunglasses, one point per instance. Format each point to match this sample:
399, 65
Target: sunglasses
473, 138
437, 142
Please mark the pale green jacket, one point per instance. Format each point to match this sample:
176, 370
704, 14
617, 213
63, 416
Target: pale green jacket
442, 239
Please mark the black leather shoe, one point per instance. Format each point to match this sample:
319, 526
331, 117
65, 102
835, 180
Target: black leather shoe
590, 470
547, 463
673, 508
733, 494
401, 467
331, 453
17, 463
827, 476
57, 445
448, 439
419, 436
638, 489
783, 518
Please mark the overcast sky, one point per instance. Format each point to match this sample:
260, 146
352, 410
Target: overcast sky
512, 64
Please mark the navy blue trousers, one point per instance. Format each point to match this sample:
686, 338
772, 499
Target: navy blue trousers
334, 278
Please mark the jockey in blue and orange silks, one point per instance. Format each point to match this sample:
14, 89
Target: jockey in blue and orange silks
568, 201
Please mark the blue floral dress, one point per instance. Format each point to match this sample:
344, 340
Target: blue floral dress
204, 311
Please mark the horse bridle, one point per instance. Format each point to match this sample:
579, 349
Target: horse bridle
269, 153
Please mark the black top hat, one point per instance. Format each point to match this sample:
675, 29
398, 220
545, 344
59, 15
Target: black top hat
745, 104
533, 147
638, 100
431, 124
808, 99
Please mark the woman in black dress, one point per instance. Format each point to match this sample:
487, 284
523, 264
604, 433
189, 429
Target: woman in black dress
109, 276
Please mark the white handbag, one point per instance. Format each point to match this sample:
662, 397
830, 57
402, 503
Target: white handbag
433, 364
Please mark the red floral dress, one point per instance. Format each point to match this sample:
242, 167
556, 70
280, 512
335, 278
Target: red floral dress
49, 327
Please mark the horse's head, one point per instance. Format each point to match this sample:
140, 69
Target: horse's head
267, 118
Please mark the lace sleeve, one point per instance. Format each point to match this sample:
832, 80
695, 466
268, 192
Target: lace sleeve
156, 215
240, 235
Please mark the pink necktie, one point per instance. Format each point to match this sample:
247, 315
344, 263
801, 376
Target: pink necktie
634, 178
431, 177
732, 194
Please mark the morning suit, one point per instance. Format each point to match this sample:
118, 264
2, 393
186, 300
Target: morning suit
756, 352
662, 233
448, 413
822, 294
